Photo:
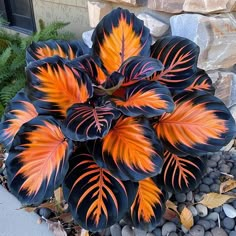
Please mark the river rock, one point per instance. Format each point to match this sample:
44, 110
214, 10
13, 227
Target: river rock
115, 230
127, 231
86, 36
218, 232
209, 6
215, 35
229, 210
172, 6
197, 230
156, 26
225, 86
167, 228
202, 210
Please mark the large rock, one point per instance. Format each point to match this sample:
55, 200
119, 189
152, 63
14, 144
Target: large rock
215, 36
156, 26
209, 6
130, 2
225, 85
172, 6
97, 10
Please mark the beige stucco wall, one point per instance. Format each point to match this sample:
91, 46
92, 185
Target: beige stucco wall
73, 11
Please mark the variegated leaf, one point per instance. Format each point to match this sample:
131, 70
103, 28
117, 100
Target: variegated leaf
146, 98
199, 124
148, 206
19, 111
119, 36
96, 198
54, 86
130, 150
179, 57
89, 121
38, 160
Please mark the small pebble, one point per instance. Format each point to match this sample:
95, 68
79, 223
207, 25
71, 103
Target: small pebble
150, 234
202, 210
207, 181
222, 215
228, 223
211, 163
173, 234
232, 233
215, 188
218, 232
212, 223
229, 211
209, 170
216, 157
225, 168
45, 212
198, 197
157, 232
167, 228
193, 210
180, 197
214, 175
205, 224
127, 231
184, 229
212, 216
218, 209
139, 232
115, 230
197, 230
208, 234
204, 188
189, 196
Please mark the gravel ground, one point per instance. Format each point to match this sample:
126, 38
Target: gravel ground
220, 221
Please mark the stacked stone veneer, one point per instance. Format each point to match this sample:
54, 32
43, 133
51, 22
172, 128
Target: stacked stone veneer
209, 23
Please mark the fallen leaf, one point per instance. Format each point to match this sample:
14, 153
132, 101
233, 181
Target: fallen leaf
170, 214
213, 200
84, 232
227, 185
186, 218
170, 205
66, 217
59, 195
56, 228
28, 209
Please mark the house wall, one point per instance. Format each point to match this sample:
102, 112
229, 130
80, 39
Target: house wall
73, 11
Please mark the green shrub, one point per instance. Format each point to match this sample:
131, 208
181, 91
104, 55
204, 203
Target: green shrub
12, 56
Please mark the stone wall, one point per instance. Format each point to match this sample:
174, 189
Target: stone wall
209, 23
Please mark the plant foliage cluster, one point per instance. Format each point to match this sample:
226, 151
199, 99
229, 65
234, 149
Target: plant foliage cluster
115, 125
12, 57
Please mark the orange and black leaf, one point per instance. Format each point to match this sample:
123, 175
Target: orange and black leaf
179, 57
149, 205
201, 81
89, 121
199, 124
19, 111
92, 67
38, 160
130, 150
138, 67
146, 98
65, 49
182, 174
55, 87
119, 36
96, 198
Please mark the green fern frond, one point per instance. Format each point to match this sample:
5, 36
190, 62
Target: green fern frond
8, 92
4, 56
